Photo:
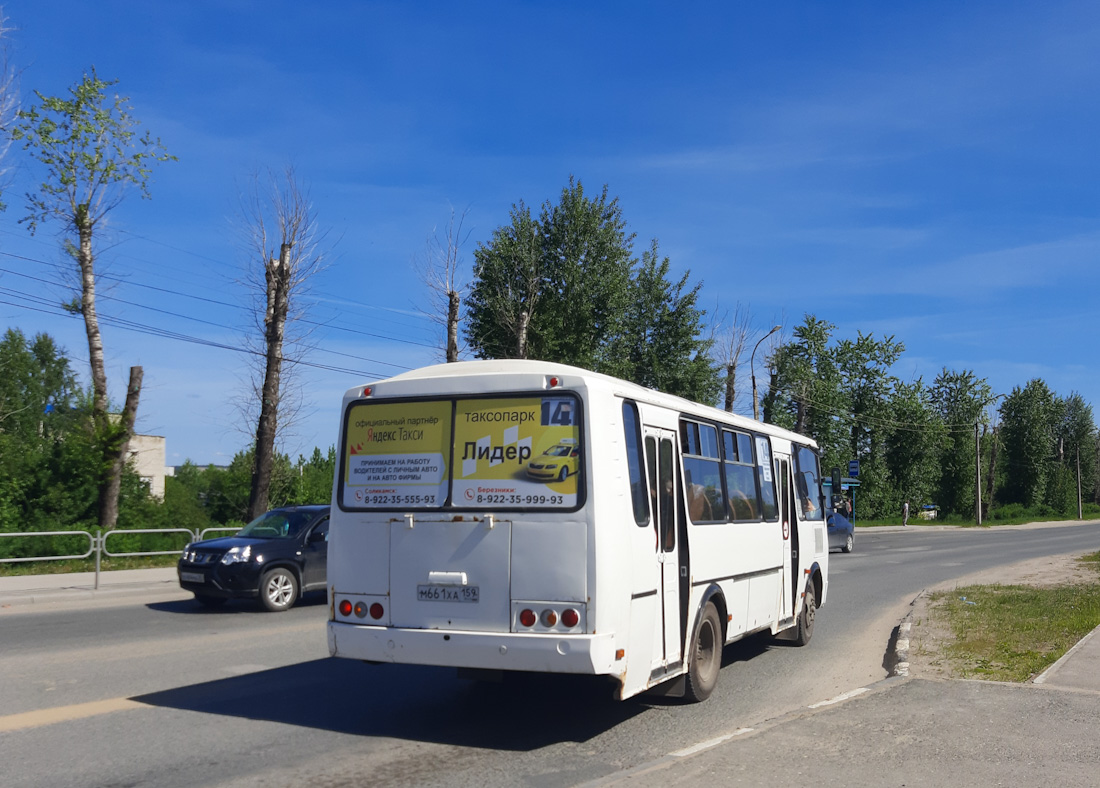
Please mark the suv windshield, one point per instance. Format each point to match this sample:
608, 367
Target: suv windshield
277, 525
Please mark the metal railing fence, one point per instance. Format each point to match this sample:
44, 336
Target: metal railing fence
97, 543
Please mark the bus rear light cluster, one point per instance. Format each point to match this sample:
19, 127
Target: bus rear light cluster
548, 618
361, 609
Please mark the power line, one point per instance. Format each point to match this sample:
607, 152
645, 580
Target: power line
142, 328
168, 291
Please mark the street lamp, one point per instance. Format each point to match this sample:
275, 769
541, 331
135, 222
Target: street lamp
752, 368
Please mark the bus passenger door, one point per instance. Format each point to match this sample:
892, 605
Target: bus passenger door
790, 538
661, 465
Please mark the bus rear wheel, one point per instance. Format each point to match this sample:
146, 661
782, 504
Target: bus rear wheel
706, 657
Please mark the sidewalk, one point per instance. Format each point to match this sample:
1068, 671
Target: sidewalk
912, 732
904, 732
154, 584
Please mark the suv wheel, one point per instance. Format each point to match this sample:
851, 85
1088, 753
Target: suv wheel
278, 590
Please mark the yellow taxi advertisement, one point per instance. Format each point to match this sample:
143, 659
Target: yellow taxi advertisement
397, 455
516, 452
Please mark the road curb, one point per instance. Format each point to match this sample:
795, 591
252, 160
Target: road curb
155, 592
898, 648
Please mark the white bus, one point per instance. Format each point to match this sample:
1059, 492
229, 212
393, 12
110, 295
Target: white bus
531, 516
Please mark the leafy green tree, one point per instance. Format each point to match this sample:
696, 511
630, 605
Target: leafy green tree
867, 386
960, 399
805, 393
556, 288
38, 401
1028, 417
89, 146
660, 342
1074, 436
913, 447
315, 478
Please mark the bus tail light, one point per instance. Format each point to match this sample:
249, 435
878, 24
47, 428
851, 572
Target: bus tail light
363, 609
560, 617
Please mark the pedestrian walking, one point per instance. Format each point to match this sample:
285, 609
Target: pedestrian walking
905, 513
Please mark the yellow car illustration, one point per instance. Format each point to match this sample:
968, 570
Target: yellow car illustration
556, 463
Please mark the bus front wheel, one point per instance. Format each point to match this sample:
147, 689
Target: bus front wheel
706, 657
809, 613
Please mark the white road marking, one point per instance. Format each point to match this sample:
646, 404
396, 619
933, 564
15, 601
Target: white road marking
706, 745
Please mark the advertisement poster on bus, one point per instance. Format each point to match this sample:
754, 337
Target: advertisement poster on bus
517, 452
397, 455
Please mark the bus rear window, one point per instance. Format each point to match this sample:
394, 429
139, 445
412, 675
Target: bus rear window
476, 453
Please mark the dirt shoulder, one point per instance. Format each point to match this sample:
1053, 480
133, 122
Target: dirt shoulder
930, 634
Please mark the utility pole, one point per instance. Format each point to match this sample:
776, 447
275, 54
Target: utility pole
977, 476
1080, 514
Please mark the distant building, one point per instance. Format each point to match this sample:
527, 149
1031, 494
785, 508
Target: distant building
147, 455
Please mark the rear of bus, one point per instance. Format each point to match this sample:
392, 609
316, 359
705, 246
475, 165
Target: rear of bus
460, 534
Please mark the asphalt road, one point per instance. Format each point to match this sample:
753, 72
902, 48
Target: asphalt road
168, 694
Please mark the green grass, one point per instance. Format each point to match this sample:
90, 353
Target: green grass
1012, 633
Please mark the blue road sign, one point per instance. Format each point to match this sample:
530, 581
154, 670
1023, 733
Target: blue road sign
853, 468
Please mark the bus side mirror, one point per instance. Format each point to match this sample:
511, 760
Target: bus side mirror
836, 482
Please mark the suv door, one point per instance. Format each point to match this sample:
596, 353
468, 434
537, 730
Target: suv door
315, 555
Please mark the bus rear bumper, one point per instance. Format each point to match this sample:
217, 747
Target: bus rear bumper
545, 653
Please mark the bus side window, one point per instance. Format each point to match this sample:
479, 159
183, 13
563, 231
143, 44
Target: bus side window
807, 481
743, 502
702, 472
633, 439
766, 478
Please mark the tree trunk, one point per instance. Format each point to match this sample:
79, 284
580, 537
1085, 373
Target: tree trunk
86, 261
521, 334
116, 452
452, 327
731, 378
278, 293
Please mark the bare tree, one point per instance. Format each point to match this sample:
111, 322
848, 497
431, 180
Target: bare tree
440, 273
283, 243
92, 154
729, 342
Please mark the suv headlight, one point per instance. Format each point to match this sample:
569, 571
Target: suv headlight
237, 555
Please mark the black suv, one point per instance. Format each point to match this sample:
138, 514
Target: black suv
277, 557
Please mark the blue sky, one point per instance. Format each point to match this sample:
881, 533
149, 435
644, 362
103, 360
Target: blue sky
926, 171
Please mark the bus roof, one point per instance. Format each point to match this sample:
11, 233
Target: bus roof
522, 374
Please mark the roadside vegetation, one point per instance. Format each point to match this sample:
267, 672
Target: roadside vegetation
1012, 632
1012, 514
566, 284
